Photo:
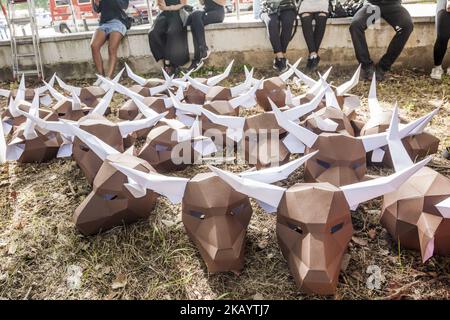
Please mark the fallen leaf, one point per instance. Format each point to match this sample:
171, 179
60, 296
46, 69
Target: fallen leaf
359, 241
119, 282
262, 244
74, 274
168, 223
258, 296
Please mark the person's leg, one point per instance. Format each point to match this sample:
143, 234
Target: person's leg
98, 40
273, 28
319, 30
176, 45
443, 36
198, 31
308, 31
400, 19
365, 16
113, 45
157, 38
287, 18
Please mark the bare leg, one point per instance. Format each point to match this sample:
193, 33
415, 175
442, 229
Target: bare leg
114, 42
98, 40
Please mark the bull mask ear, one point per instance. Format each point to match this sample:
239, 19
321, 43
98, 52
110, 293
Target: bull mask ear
127, 127
55, 94
286, 75
20, 95
349, 85
378, 140
426, 228
68, 88
275, 174
133, 76
265, 193
247, 100
367, 190
100, 148
241, 88
76, 102
235, 125
171, 187
300, 133
374, 104
197, 84
400, 157
104, 103
189, 108
213, 81
29, 132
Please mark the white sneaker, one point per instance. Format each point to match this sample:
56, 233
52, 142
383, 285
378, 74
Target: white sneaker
437, 72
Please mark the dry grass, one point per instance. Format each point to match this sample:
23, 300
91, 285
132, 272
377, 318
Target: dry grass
154, 259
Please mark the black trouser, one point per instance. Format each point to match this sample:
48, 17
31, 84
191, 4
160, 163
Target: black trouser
313, 36
280, 38
443, 35
198, 20
394, 14
168, 39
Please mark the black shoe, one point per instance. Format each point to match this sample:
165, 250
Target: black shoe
280, 64
204, 53
195, 65
312, 63
169, 68
380, 73
446, 153
367, 72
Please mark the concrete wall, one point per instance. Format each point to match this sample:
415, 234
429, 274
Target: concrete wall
246, 42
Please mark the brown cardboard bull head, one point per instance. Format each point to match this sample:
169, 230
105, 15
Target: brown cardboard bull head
214, 214
30, 143
417, 214
313, 220
418, 145
341, 158
109, 132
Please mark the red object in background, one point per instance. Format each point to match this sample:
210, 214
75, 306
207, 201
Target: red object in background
60, 10
3, 8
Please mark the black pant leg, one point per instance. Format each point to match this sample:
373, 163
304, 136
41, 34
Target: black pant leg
157, 38
176, 44
197, 30
400, 19
365, 16
273, 28
319, 30
287, 18
443, 36
308, 31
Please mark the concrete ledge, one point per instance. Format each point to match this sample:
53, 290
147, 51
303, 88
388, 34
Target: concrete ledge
246, 42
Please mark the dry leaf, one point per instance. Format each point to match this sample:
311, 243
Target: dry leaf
258, 296
119, 282
12, 248
345, 261
360, 241
372, 233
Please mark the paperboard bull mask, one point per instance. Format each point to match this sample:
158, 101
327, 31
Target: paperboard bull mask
313, 221
418, 145
89, 96
111, 133
417, 214
341, 159
213, 92
172, 145
214, 214
30, 143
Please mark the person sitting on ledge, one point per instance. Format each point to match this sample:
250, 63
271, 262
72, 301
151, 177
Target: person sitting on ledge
398, 17
168, 36
113, 27
213, 12
443, 35
313, 10
279, 17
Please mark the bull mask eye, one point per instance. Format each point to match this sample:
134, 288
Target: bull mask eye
337, 227
295, 228
84, 148
237, 209
323, 164
356, 165
61, 114
197, 214
110, 196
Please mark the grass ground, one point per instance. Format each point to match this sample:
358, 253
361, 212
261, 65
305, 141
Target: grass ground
42, 255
